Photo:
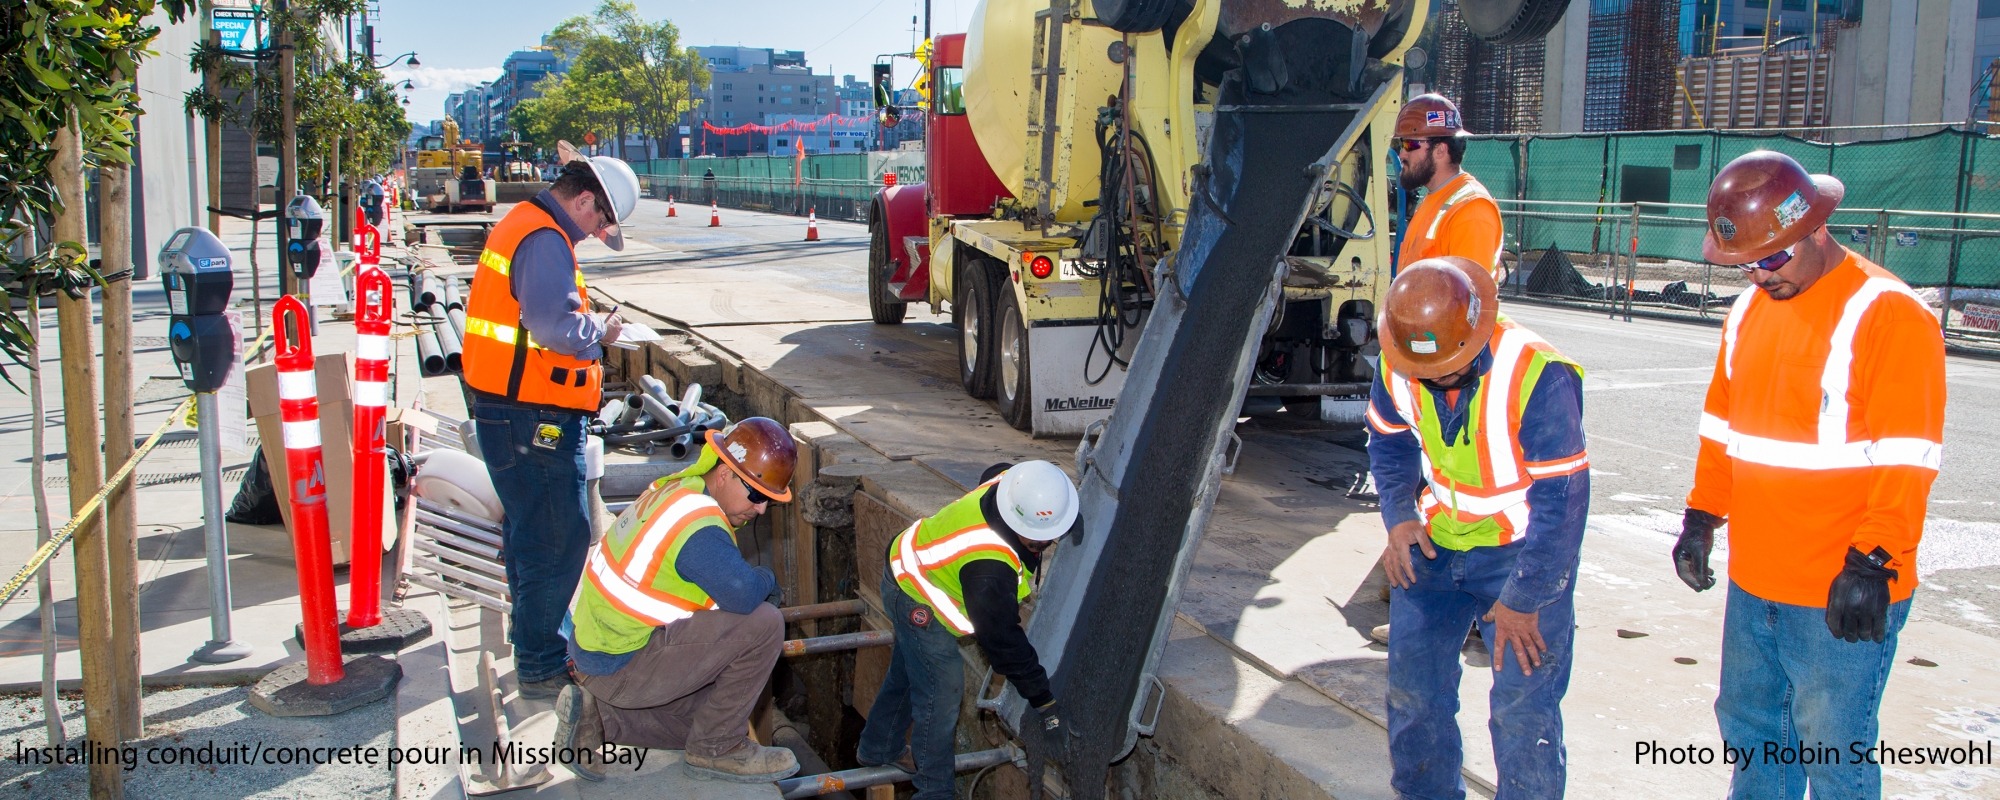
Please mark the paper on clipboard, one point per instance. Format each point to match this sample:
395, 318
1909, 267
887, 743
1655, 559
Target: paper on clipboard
633, 334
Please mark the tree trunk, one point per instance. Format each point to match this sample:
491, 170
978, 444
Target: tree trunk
86, 475
121, 516
38, 480
213, 129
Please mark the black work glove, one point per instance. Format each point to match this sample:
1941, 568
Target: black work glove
1691, 551
1061, 738
1857, 605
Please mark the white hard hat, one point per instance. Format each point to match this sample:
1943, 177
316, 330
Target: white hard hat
1037, 500
621, 187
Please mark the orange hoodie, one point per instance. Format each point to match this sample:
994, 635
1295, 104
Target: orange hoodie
1823, 428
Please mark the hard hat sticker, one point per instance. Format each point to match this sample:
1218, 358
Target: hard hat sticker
1472, 312
1724, 229
1440, 119
1426, 345
738, 451
1792, 210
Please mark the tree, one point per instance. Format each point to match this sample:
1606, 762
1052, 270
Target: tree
625, 75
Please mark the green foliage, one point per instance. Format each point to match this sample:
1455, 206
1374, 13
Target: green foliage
60, 61
625, 75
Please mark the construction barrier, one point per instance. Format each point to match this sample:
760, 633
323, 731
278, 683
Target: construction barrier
374, 296
298, 397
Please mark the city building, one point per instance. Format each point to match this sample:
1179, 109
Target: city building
519, 77
760, 86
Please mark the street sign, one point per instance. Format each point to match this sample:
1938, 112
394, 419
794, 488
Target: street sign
1906, 238
238, 29
1858, 235
590, 138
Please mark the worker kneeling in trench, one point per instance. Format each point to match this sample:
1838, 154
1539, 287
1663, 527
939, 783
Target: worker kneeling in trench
964, 572
672, 634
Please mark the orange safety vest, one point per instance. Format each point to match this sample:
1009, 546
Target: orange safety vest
1823, 428
501, 358
1459, 219
1476, 491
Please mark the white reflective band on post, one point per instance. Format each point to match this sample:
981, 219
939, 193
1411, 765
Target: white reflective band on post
654, 536
297, 386
651, 610
371, 347
374, 394
300, 435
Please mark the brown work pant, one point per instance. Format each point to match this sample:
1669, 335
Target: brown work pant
693, 685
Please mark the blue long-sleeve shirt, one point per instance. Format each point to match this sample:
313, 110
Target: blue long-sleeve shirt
1551, 431
543, 278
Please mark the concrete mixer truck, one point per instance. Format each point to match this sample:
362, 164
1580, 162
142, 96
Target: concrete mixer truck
1140, 213
1063, 155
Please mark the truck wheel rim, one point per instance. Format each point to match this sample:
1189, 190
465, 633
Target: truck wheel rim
969, 330
1010, 352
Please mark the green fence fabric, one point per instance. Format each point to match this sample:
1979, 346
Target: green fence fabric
1947, 171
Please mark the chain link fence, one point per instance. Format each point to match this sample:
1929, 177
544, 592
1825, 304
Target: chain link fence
1615, 221
835, 186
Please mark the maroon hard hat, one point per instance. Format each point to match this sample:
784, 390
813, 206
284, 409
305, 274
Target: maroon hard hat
1763, 202
1427, 116
1437, 316
760, 451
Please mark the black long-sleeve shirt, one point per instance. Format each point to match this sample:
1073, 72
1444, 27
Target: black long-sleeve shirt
990, 590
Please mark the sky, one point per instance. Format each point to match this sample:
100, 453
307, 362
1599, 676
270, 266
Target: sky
460, 43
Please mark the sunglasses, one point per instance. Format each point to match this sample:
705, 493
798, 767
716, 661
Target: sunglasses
1413, 145
757, 498
1771, 263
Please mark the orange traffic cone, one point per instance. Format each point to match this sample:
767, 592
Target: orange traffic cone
714, 216
812, 225
670, 206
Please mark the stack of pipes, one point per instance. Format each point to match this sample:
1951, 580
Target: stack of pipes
439, 313
653, 409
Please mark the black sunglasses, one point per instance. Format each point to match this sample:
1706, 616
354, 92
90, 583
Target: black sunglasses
756, 497
1413, 145
1771, 263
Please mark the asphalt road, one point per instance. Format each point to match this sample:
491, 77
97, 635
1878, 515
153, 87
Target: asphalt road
1643, 392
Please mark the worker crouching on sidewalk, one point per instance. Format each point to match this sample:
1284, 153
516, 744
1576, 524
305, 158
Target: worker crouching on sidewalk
964, 572
670, 634
1476, 445
1820, 436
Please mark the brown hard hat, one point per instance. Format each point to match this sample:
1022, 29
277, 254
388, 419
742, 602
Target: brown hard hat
760, 451
1428, 115
1763, 202
1437, 317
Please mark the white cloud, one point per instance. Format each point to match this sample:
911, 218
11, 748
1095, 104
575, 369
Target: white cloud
446, 79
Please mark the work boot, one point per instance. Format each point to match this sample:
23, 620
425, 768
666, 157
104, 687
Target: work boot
579, 731
546, 688
748, 763
906, 762
1380, 634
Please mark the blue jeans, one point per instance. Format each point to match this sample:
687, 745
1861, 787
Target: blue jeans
547, 529
920, 694
1790, 691
1427, 624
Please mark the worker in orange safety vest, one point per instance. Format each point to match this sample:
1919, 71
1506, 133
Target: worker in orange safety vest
1821, 434
1457, 216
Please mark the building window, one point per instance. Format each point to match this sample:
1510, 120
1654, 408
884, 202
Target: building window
728, 98
724, 86
1989, 9
781, 142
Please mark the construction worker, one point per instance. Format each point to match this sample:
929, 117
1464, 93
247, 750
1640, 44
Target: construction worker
1476, 446
671, 633
1821, 435
1457, 216
964, 572
531, 351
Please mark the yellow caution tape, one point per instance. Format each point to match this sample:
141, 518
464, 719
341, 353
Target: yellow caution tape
89, 510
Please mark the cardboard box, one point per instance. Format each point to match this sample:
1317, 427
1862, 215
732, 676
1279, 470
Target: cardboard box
336, 420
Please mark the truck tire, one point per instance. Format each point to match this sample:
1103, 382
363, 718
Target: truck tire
1511, 21
1015, 390
1135, 16
972, 311
884, 309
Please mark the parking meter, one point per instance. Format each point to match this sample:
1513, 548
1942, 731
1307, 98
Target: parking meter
195, 267
307, 220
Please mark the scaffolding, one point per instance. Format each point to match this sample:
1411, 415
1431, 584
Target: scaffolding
1633, 55
1498, 88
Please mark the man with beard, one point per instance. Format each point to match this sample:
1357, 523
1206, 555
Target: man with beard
1457, 216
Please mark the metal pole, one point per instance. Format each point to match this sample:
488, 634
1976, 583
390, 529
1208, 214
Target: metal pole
816, 785
839, 642
837, 608
1957, 239
221, 648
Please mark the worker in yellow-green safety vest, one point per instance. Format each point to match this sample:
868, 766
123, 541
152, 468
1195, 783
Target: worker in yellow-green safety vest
672, 635
1476, 445
964, 572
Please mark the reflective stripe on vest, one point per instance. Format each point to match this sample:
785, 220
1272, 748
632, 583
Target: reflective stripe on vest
1491, 507
632, 567
1831, 450
500, 357
927, 556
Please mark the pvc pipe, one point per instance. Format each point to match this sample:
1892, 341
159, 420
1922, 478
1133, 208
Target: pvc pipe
838, 642
612, 411
837, 608
429, 350
453, 298
816, 785
306, 468
448, 340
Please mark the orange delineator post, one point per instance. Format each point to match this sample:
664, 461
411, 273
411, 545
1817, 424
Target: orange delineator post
298, 399
371, 399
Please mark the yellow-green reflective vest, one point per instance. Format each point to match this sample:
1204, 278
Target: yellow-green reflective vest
630, 584
1476, 490
926, 558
